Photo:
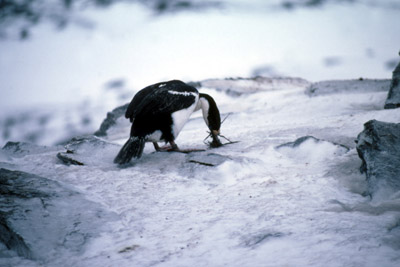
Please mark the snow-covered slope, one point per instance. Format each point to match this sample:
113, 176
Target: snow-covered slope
257, 205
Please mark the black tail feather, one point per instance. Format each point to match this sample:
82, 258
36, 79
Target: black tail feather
133, 148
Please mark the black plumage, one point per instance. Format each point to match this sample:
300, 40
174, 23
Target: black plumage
159, 111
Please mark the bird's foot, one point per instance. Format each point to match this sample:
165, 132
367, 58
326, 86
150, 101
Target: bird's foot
166, 148
173, 147
190, 150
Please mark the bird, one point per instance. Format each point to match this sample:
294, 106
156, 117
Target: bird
158, 113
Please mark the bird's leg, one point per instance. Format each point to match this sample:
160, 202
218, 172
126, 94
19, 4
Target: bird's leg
174, 146
156, 146
166, 148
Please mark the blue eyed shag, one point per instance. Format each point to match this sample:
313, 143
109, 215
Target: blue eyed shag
158, 113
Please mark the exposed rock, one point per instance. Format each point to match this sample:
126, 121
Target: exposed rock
393, 99
239, 86
391, 64
303, 139
293, 4
66, 157
40, 218
21, 149
111, 120
348, 86
378, 146
207, 159
256, 239
172, 6
12, 239
88, 150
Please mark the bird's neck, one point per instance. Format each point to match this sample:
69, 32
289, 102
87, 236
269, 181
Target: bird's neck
210, 112
204, 105
205, 108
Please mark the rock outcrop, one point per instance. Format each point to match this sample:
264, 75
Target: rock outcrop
378, 146
88, 150
393, 99
111, 120
41, 218
347, 86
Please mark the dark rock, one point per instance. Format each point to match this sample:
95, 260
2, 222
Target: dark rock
13, 240
173, 6
21, 149
88, 150
297, 142
378, 146
292, 4
303, 139
111, 120
66, 158
207, 159
41, 218
391, 64
347, 86
257, 239
393, 99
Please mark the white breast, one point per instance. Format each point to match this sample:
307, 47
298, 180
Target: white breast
180, 117
154, 137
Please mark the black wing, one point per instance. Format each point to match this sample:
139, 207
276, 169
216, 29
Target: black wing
166, 97
132, 109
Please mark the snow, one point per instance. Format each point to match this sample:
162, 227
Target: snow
312, 150
258, 206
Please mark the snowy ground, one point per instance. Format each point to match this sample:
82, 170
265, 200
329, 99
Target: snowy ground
259, 206
63, 74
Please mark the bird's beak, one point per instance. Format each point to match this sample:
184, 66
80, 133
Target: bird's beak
215, 142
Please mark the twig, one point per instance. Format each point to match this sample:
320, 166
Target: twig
226, 117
